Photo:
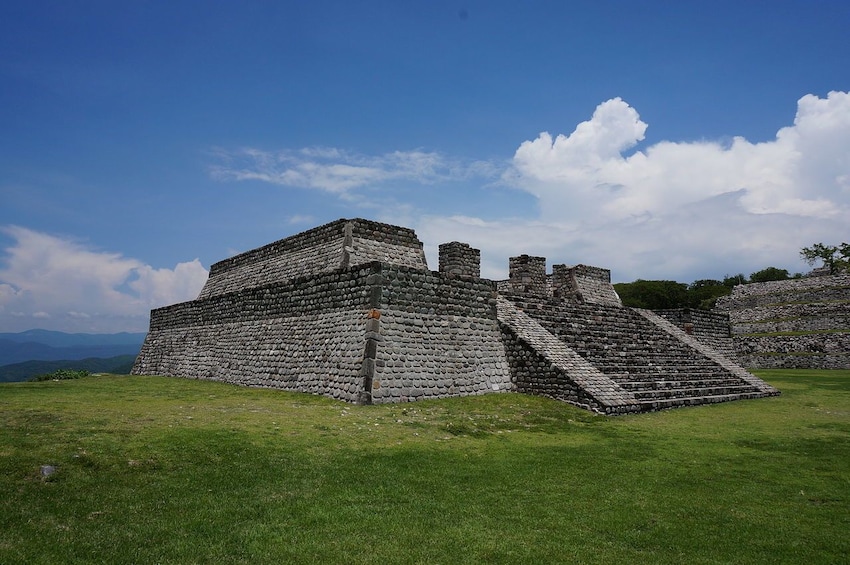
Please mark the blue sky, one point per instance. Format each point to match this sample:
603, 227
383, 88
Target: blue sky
141, 142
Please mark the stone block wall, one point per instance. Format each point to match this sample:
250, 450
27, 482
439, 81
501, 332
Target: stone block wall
578, 283
372, 333
527, 275
438, 337
593, 285
811, 351
807, 316
810, 289
798, 323
303, 335
562, 284
712, 328
459, 259
340, 244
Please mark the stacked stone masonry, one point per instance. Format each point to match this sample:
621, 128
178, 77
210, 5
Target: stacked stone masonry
304, 335
459, 259
799, 323
593, 285
527, 275
344, 243
711, 328
662, 368
543, 364
439, 337
350, 310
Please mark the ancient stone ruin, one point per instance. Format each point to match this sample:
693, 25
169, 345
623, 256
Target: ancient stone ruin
799, 323
350, 310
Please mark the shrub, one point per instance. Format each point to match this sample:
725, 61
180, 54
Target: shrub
769, 274
61, 375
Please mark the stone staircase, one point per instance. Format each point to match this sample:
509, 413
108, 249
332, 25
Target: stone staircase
645, 355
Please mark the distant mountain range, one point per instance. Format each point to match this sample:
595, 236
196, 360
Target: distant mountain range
35, 352
16, 372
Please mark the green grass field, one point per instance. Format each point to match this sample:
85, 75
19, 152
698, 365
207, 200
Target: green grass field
160, 470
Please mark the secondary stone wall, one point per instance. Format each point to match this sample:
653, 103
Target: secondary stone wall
340, 244
712, 328
798, 323
812, 289
813, 316
814, 351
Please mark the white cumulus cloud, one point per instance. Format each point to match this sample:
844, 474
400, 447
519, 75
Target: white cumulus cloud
802, 172
679, 210
340, 172
55, 283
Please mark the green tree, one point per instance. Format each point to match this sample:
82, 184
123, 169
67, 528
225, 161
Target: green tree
703, 294
770, 274
836, 258
734, 280
653, 295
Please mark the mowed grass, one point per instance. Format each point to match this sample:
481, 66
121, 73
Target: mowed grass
165, 470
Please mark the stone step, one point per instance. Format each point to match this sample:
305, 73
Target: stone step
651, 350
698, 392
663, 373
662, 404
650, 385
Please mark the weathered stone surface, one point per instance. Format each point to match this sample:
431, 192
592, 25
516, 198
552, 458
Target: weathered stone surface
340, 244
814, 310
543, 364
711, 328
459, 259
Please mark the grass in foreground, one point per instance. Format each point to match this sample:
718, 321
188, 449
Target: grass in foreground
159, 470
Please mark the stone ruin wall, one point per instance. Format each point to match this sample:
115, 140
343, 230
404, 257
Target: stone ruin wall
579, 283
816, 310
460, 260
366, 321
589, 284
379, 332
439, 337
711, 328
340, 244
305, 335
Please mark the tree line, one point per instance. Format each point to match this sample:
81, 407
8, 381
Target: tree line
703, 294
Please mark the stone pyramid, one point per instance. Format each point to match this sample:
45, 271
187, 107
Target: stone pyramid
350, 310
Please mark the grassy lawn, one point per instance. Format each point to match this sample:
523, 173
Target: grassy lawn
160, 470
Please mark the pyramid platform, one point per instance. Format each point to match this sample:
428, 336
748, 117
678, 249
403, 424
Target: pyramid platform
350, 310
